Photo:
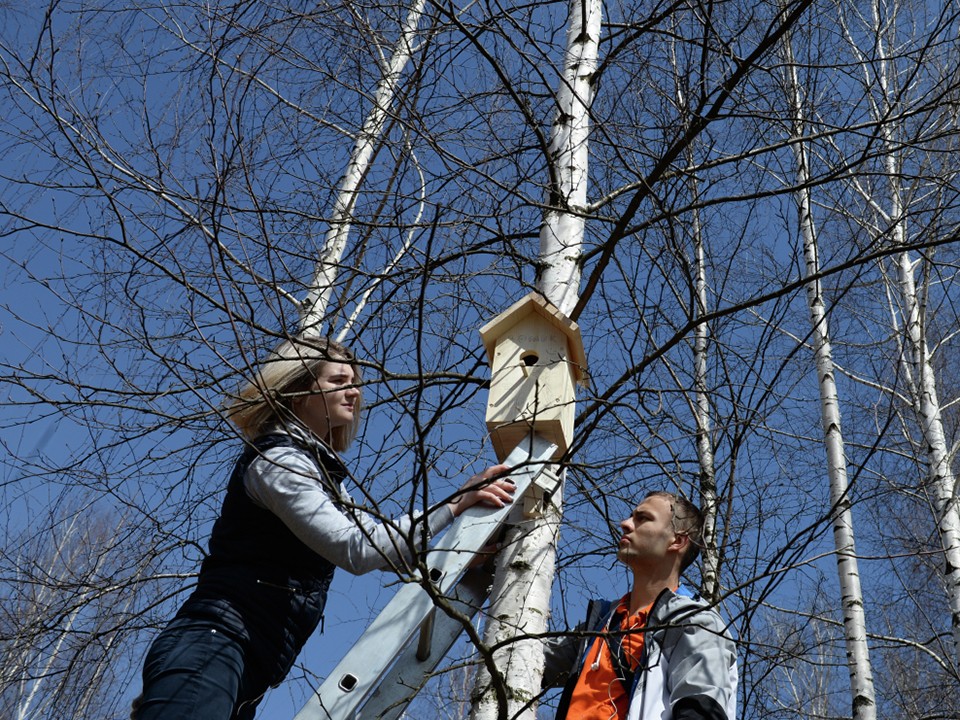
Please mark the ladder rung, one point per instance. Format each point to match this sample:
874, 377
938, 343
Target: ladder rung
407, 676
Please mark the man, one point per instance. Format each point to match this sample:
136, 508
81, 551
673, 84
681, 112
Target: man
658, 652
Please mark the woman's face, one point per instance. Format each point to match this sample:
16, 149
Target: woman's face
333, 402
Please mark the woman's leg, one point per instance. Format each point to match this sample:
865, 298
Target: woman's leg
192, 672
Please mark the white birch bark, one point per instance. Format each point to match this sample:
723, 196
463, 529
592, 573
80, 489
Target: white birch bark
862, 691
561, 235
710, 558
407, 243
520, 602
918, 368
35, 675
709, 551
37, 680
923, 388
314, 306
915, 354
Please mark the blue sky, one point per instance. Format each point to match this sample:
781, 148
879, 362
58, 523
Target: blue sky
171, 321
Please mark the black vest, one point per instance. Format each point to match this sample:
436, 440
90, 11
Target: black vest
260, 582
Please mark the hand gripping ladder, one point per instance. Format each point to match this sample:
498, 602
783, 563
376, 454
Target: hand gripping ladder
385, 669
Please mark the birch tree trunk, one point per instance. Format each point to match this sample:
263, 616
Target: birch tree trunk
709, 551
314, 306
918, 369
923, 389
915, 355
864, 705
520, 602
710, 555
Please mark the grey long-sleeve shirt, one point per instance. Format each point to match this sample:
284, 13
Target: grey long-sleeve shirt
287, 482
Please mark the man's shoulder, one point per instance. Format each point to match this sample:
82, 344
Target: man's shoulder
682, 599
670, 608
684, 608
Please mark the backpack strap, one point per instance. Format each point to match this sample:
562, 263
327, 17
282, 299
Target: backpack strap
619, 658
597, 613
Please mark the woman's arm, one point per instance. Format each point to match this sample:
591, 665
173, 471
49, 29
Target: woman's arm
287, 482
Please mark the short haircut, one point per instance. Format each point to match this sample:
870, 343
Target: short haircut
687, 520
286, 373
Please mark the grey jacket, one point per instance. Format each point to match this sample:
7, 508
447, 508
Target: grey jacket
289, 481
688, 670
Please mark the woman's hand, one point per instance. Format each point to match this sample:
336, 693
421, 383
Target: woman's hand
486, 488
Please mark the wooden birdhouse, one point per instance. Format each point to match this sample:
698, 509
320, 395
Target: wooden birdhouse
536, 360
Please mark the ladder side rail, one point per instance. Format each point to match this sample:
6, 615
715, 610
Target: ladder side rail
407, 676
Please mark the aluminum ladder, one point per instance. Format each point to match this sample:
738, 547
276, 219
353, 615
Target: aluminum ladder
385, 669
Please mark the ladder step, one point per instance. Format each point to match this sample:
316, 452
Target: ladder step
407, 676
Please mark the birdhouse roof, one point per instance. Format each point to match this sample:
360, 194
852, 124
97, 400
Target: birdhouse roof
536, 304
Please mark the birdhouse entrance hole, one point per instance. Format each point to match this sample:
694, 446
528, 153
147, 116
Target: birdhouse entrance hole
530, 358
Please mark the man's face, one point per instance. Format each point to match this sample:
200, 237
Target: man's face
647, 533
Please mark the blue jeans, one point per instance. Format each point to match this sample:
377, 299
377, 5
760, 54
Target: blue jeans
195, 671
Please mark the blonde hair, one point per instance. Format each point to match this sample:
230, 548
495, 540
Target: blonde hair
286, 373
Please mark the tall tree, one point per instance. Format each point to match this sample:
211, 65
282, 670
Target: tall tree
520, 603
884, 70
370, 136
863, 698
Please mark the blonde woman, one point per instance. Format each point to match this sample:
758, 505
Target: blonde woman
287, 522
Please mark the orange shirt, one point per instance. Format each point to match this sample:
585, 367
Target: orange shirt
599, 694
